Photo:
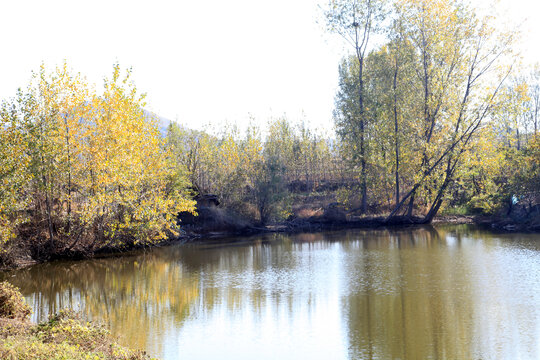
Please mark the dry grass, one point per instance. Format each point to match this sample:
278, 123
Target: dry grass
306, 212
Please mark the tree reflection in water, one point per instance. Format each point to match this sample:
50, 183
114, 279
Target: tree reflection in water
441, 293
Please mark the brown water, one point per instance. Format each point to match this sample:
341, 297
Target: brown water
429, 293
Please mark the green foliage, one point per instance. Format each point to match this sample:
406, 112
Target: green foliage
14, 174
409, 111
217, 164
425, 116
456, 211
269, 187
525, 177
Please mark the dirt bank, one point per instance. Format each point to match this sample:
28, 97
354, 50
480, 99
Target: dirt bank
218, 224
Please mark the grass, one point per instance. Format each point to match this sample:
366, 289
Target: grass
64, 336
456, 211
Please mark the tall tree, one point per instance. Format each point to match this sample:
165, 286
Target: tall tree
14, 174
356, 21
461, 67
90, 171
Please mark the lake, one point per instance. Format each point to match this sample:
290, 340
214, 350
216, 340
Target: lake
443, 292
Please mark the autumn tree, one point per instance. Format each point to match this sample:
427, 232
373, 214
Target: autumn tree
85, 171
460, 69
14, 174
129, 182
49, 114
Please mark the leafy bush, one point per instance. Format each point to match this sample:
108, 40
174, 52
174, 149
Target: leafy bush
12, 304
64, 336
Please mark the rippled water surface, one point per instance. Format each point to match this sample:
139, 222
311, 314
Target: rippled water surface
449, 292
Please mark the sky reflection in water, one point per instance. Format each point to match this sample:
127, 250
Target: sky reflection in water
426, 293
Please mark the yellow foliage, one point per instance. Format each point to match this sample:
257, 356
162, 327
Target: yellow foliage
93, 165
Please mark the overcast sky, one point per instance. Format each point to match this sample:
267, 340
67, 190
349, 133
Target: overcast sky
199, 61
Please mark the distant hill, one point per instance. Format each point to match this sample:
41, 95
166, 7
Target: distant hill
163, 123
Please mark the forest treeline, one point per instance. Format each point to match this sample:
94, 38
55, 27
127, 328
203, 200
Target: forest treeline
436, 115
436, 110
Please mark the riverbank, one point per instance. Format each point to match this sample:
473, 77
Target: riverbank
63, 336
321, 223
207, 227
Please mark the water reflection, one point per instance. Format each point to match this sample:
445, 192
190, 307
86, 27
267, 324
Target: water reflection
423, 293
132, 295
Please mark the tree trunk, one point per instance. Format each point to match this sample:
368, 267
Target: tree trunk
434, 207
68, 146
49, 217
363, 184
411, 206
47, 201
396, 132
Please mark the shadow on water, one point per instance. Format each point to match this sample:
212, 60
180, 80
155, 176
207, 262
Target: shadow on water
445, 292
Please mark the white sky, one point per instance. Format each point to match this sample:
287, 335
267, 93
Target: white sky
199, 61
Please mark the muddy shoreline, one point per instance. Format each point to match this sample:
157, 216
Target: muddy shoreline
201, 233
311, 225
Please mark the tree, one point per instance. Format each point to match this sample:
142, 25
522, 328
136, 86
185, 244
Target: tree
14, 175
132, 189
532, 79
356, 21
269, 187
84, 171
461, 67
511, 114
49, 114
400, 60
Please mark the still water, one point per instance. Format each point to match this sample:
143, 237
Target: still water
449, 292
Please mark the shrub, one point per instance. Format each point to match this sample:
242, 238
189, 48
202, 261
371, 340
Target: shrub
64, 336
12, 304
